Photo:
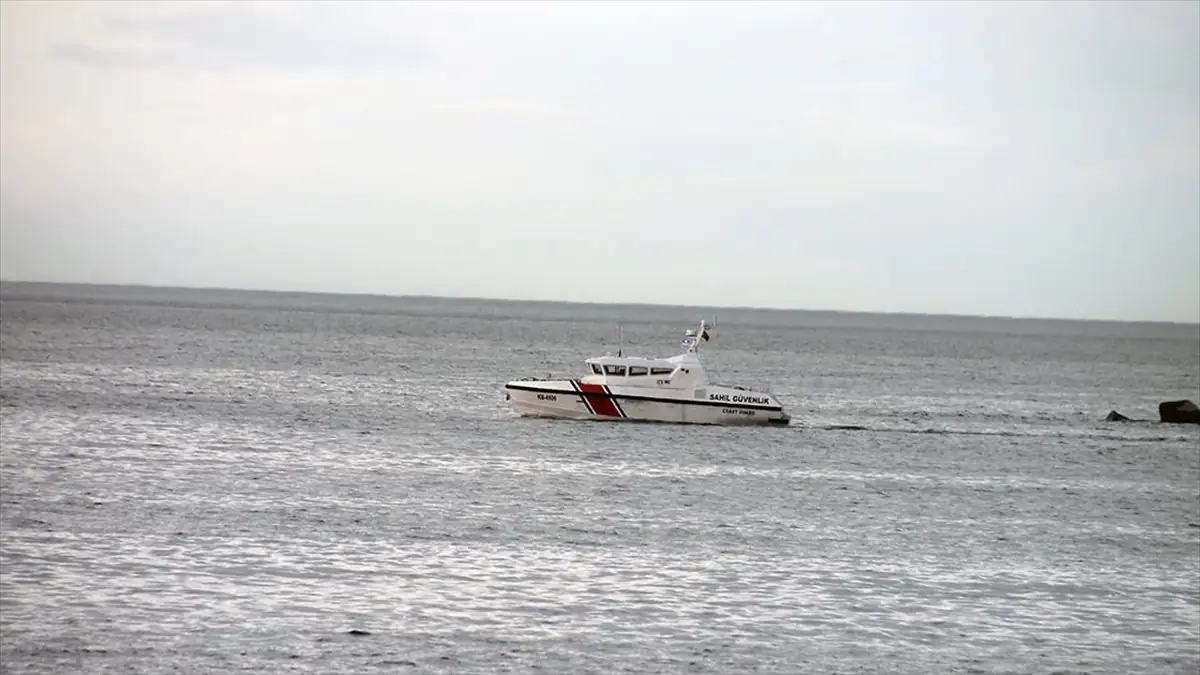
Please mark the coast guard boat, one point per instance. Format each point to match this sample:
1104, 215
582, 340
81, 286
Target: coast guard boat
674, 389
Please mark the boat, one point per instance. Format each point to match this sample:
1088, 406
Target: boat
634, 388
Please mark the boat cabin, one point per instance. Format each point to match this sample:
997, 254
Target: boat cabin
633, 371
677, 372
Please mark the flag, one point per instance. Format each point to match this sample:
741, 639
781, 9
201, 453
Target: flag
704, 335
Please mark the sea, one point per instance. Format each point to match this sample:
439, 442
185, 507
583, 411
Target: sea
218, 481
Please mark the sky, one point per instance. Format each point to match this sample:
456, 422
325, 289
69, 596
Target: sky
985, 158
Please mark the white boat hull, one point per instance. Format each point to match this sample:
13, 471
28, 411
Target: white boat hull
572, 399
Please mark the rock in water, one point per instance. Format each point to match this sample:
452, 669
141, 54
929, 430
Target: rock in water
1179, 412
1114, 416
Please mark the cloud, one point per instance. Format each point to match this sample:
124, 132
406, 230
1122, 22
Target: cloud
242, 37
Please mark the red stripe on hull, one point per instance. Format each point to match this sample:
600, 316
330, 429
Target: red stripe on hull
598, 399
586, 403
615, 401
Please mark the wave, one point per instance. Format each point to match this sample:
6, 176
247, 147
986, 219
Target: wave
1081, 435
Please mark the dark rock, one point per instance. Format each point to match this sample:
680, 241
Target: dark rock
1114, 416
1179, 412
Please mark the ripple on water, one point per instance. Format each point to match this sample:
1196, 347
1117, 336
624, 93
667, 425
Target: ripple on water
274, 490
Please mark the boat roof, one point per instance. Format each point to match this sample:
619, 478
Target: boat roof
610, 360
690, 343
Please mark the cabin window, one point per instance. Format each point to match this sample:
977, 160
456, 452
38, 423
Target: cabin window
596, 369
618, 371
661, 371
635, 371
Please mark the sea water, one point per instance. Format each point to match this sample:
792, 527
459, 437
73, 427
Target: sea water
219, 481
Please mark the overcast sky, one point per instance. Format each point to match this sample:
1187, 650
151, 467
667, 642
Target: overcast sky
978, 158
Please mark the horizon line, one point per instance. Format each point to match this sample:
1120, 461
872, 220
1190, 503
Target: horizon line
600, 303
